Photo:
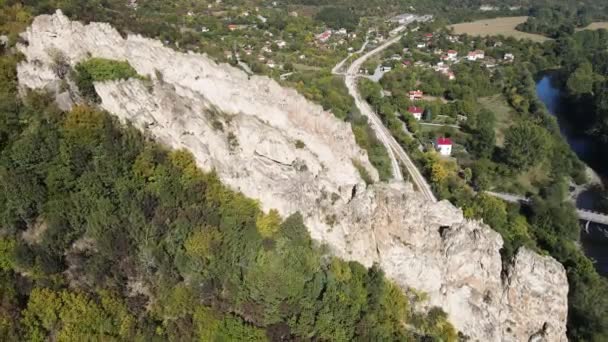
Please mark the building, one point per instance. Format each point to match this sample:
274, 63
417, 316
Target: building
323, 37
452, 55
342, 31
428, 36
451, 76
385, 68
396, 57
416, 112
421, 45
281, 43
476, 55
232, 27
406, 63
416, 95
509, 57
444, 146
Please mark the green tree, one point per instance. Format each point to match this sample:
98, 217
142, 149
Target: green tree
526, 144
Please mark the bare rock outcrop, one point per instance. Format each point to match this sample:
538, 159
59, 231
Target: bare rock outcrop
273, 145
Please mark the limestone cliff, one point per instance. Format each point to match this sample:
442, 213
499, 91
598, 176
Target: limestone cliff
250, 131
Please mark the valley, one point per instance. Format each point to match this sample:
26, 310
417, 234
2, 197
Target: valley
232, 171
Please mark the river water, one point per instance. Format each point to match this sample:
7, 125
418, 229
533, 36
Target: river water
588, 152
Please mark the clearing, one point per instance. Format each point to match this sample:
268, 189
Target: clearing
505, 115
499, 26
595, 26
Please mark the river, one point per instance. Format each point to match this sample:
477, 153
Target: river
587, 151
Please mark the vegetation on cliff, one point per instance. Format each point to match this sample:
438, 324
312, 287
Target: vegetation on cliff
107, 235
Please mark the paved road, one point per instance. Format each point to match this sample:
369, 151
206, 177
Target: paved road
395, 151
336, 69
585, 215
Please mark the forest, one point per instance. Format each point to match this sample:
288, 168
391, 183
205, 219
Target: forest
107, 235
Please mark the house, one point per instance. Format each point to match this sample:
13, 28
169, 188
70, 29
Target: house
232, 27
450, 75
421, 45
204, 29
262, 18
281, 43
406, 63
342, 31
323, 37
441, 67
416, 112
416, 94
476, 55
428, 36
452, 55
444, 146
396, 57
509, 57
271, 64
385, 68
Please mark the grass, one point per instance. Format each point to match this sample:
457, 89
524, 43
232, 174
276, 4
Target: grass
595, 26
505, 115
499, 26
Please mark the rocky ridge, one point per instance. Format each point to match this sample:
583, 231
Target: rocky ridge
250, 130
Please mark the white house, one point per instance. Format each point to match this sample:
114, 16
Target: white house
509, 57
416, 112
444, 146
452, 55
416, 95
421, 45
476, 55
281, 43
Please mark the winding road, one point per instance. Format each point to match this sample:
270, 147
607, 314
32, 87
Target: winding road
395, 151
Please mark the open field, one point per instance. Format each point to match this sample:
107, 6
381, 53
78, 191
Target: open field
500, 26
505, 115
595, 26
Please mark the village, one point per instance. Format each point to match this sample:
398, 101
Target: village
423, 68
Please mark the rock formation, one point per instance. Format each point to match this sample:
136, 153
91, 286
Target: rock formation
250, 130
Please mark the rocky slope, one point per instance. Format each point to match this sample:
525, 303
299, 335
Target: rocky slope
247, 129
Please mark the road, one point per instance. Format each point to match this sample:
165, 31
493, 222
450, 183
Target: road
585, 215
395, 151
336, 69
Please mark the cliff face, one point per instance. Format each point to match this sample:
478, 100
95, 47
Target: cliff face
249, 131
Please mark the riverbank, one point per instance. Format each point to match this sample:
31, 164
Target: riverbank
594, 237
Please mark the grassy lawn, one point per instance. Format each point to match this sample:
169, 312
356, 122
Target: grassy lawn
505, 115
499, 26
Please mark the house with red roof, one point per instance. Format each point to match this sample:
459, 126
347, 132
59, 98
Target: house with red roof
452, 55
476, 55
428, 36
416, 112
406, 63
444, 146
416, 95
323, 37
232, 27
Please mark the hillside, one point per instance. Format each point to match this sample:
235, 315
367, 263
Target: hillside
271, 144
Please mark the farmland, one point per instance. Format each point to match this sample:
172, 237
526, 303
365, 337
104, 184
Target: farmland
499, 26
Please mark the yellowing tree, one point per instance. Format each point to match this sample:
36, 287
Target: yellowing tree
268, 224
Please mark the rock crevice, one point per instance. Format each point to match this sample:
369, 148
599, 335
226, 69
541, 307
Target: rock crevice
419, 244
